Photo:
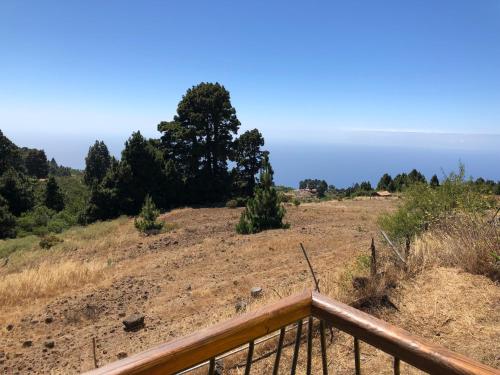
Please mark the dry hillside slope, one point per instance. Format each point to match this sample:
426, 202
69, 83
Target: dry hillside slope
181, 280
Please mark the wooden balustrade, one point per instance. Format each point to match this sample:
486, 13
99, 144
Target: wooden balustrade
203, 345
401, 344
206, 345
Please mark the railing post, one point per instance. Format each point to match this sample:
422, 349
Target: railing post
396, 366
323, 347
309, 345
357, 362
249, 358
278, 351
297, 347
211, 367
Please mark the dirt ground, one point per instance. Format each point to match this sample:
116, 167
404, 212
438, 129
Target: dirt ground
191, 277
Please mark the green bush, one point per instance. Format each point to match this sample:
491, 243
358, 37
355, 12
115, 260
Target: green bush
57, 226
296, 202
32, 221
46, 242
147, 220
425, 206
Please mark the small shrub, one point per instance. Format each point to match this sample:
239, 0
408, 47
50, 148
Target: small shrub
296, 202
237, 202
264, 210
57, 226
232, 203
147, 220
47, 242
285, 198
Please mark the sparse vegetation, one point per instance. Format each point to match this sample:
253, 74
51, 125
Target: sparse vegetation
425, 207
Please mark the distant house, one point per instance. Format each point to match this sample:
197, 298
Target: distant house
383, 193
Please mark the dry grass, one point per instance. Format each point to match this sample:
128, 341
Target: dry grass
47, 280
99, 240
466, 242
453, 308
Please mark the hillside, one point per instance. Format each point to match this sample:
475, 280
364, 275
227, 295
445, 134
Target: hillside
192, 276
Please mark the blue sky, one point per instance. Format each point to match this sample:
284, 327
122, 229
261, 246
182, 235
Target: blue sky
299, 71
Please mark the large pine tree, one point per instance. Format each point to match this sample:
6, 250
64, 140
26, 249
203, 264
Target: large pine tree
17, 190
97, 163
248, 157
36, 163
10, 156
199, 140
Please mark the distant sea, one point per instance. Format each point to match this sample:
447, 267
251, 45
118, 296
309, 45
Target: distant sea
340, 164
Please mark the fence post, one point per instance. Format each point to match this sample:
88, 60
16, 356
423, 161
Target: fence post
373, 263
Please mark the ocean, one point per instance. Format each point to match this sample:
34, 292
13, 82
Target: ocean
340, 164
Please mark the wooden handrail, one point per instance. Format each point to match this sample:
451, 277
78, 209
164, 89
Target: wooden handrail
419, 353
200, 346
206, 344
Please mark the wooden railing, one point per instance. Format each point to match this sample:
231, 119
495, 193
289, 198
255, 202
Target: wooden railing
205, 346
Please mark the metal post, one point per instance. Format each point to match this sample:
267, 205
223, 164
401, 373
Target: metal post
297, 347
278, 351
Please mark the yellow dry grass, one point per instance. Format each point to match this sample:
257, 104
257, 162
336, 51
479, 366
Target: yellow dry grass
466, 242
98, 240
47, 280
